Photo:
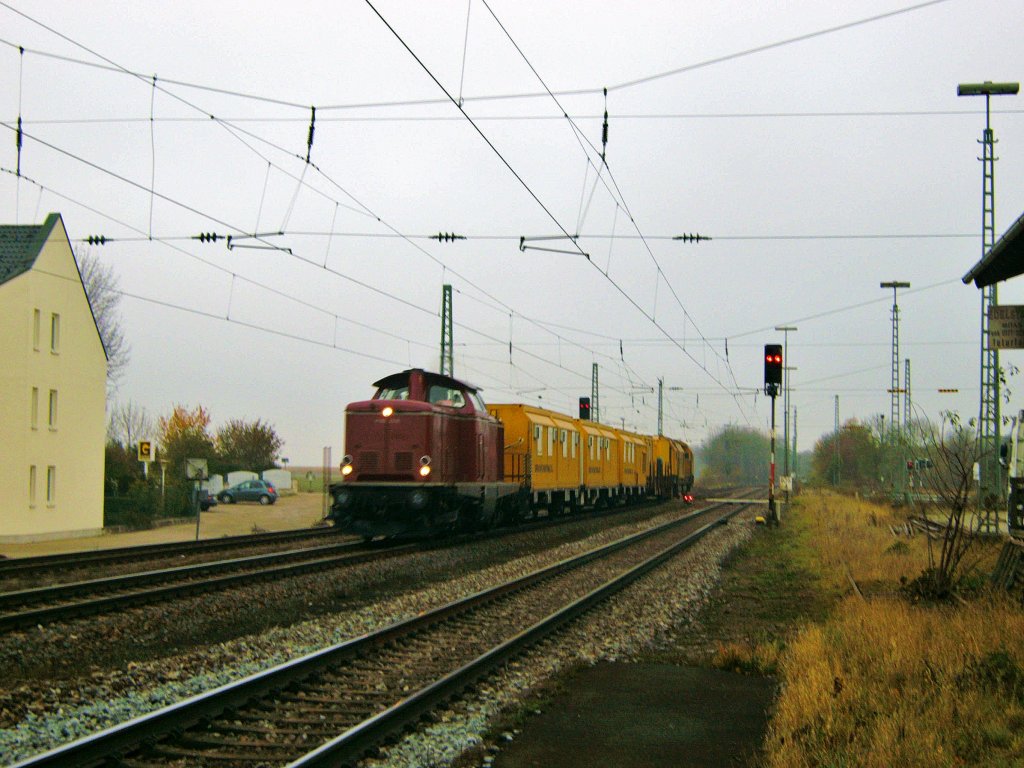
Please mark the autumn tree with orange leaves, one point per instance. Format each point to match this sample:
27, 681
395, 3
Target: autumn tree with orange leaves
184, 435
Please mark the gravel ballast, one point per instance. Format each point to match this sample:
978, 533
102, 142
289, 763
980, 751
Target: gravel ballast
42, 714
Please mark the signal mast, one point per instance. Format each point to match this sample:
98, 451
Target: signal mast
772, 387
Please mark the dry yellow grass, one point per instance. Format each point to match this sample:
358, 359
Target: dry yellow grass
852, 539
884, 682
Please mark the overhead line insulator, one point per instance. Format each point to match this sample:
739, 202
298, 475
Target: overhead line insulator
96, 240
447, 237
691, 238
207, 237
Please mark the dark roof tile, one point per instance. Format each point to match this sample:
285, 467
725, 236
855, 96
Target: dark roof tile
20, 246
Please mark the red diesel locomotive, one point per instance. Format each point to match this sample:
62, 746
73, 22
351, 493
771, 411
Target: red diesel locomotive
424, 456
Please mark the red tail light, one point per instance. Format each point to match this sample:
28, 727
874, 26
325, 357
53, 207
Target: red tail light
270, 487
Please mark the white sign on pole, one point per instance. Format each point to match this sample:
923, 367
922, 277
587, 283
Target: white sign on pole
196, 469
1006, 326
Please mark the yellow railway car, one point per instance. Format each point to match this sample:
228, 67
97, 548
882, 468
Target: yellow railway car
603, 463
566, 463
635, 466
672, 467
543, 449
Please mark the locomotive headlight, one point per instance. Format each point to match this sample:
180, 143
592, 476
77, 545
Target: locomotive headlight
388, 410
346, 465
343, 498
418, 499
424, 466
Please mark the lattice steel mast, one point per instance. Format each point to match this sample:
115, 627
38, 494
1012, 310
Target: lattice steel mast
906, 398
447, 335
894, 387
991, 488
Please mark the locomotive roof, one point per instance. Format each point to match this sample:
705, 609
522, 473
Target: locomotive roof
435, 378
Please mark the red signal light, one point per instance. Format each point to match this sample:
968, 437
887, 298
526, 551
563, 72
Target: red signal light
772, 369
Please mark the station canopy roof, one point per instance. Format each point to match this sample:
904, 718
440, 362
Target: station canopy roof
1004, 260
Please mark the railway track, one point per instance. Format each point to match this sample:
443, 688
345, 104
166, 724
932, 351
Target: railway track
43, 568
47, 605
40, 606
330, 707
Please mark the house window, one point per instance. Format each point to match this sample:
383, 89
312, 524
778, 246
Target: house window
53, 409
51, 485
37, 320
55, 333
32, 486
35, 407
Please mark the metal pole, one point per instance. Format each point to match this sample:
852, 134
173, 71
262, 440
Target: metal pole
447, 333
894, 440
195, 504
991, 488
785, 393
796, 454
661, 387
835, 457
772, 516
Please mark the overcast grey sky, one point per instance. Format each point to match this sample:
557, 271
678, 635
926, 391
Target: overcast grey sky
822, 155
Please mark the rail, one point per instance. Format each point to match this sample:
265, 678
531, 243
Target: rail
165, 735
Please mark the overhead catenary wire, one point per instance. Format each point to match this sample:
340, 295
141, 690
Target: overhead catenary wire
338, 273
620, 199
511, 96
612, 237
536, 117
234, 132
264, 286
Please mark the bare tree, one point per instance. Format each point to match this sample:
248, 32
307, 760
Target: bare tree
101, 288
129, 423
948, 476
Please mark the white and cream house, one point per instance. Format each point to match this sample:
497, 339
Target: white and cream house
52, 389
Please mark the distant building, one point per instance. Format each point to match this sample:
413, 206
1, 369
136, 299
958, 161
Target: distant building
52, 389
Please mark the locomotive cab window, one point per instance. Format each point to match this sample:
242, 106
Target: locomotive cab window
393, 393
565, 445
538, 439
551, 441
452, 398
